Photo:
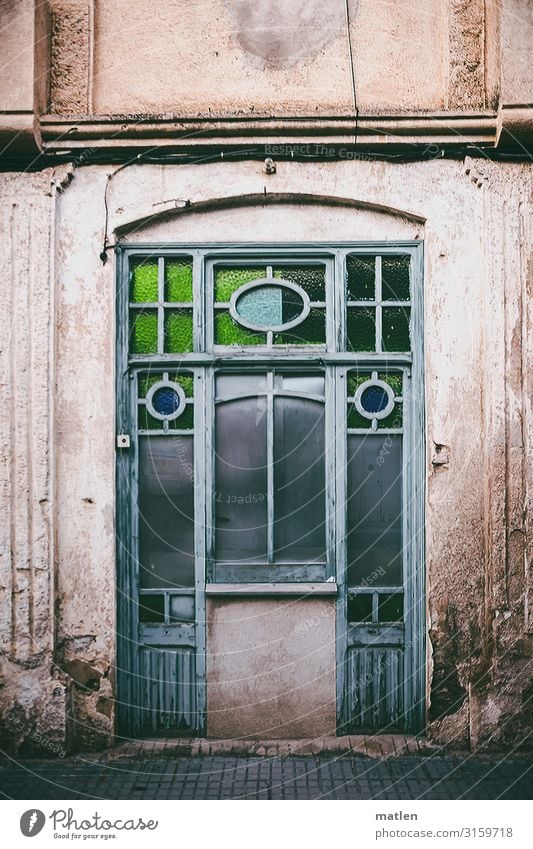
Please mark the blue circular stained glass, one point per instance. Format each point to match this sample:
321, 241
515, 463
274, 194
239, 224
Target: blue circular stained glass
165, 401
374, 399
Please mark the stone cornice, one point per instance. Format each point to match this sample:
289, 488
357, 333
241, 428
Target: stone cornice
446, 129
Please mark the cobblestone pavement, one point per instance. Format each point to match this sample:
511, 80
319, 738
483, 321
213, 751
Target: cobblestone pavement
227, 777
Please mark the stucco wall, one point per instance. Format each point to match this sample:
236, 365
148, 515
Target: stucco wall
239, 57
58, 492
517, 36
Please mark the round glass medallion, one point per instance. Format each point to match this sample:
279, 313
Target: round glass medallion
165, 400
269, 304
374, 399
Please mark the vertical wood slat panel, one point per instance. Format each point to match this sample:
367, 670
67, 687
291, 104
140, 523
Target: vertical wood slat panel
168, 690
374, 680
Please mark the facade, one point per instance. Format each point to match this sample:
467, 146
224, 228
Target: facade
266, 457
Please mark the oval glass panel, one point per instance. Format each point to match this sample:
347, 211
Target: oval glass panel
268, 305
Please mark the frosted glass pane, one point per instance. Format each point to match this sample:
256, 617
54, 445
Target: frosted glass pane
395, 278
166, 511
181, 608
361, 273
361, 329
374, 530
299, 483
312, 384
241, 481
312, 331
239, 384
396, 329
309, 277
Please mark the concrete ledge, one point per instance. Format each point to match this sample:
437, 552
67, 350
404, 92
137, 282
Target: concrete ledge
110, 131
303, 589
378, 746
19, 133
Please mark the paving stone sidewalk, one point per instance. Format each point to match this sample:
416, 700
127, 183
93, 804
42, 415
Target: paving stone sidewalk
342, 776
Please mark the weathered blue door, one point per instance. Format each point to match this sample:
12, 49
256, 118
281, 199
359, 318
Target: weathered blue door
270, 430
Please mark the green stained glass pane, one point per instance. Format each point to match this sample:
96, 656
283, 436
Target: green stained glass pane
228, 280
312, 331
394, 420
178, 331
146, 421
395, 325
186, 382
395, 381
395, 278
227, 332
143, 332
361, 329
185, 421
144, 282
356, 420
178, 280
361, 274
147, 380
355, 380
312, 278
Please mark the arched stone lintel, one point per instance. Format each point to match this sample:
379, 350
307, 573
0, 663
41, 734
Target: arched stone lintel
182, 206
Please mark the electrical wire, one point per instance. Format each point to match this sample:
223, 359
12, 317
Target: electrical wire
352, 68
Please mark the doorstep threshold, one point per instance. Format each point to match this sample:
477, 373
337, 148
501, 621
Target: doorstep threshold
368, 745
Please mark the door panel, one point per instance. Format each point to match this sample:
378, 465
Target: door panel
165, 688
168, 689
374, 687
376, 664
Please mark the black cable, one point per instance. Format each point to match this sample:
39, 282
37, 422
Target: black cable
352, 67
105, 246
164, 156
